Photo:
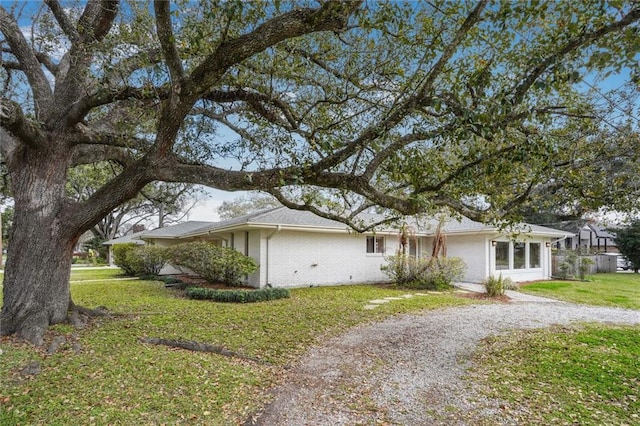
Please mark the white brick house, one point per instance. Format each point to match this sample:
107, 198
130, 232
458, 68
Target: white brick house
297, 248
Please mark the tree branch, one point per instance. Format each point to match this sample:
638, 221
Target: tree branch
331, 16
63, 20
255, 100
96, 20
20, 48
574, 44
24, 130
394, 117
167, 41
91, 154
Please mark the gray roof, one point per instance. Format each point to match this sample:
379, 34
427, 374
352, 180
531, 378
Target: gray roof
130, 238
284, 216
600, 231
179, 230
296, 218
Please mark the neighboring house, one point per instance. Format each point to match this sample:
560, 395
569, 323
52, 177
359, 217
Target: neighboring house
590, 237
297, 248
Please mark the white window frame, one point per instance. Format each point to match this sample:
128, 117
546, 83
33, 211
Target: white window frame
378, 244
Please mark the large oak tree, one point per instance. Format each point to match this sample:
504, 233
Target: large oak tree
330, 106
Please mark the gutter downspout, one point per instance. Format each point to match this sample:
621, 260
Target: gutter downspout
266, 269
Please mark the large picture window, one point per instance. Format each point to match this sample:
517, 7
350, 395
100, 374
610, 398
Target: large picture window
375, 244
534, 255
519, 255
502, 255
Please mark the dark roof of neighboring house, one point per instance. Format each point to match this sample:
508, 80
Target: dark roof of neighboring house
600, 231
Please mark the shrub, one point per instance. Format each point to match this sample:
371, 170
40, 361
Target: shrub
424, 273
496, 286
583, 267
213, 263
238, 296
147, 260
574, 265
121, 257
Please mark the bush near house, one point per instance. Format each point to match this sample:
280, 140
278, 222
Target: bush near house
122, 257
424, 273
136, 260
213, 263
496, 286
238, 296
148, 260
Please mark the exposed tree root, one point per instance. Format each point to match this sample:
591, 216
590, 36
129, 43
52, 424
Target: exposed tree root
78, 316
201, 347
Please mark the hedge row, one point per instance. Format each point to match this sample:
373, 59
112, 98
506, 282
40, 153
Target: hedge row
213, 263
238, 296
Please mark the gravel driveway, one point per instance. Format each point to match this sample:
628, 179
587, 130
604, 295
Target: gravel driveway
408, 370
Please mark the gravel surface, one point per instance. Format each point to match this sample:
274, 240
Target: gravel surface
408, 370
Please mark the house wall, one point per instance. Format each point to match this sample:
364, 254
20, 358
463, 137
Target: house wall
473, 250
297, 259
256, 250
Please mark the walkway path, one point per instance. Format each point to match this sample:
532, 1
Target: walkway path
408, 370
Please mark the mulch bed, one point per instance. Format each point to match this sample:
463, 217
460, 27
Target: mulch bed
485, 296
195, 280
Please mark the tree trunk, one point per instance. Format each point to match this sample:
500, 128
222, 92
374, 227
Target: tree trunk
36, 282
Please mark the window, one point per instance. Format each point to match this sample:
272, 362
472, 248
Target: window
413, 247
375, 244
519, 255
534, 255
502, 255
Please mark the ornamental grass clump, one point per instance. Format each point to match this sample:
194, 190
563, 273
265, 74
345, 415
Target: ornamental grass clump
428, 273
496, 286
238, 296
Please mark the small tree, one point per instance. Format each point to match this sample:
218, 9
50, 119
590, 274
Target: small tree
628, 242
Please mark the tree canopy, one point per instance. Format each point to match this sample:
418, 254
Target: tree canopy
158, 203
628, 242
330, 106
246, 204
411, 106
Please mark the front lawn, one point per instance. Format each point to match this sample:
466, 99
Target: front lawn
105, 375
88, 273
621, 290
586, 375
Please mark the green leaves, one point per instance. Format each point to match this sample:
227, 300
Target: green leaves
238, 296
214, 263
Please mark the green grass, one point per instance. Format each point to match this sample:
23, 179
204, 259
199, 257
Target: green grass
588, 375
79, 274
82, 274
621, 290
115, 379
